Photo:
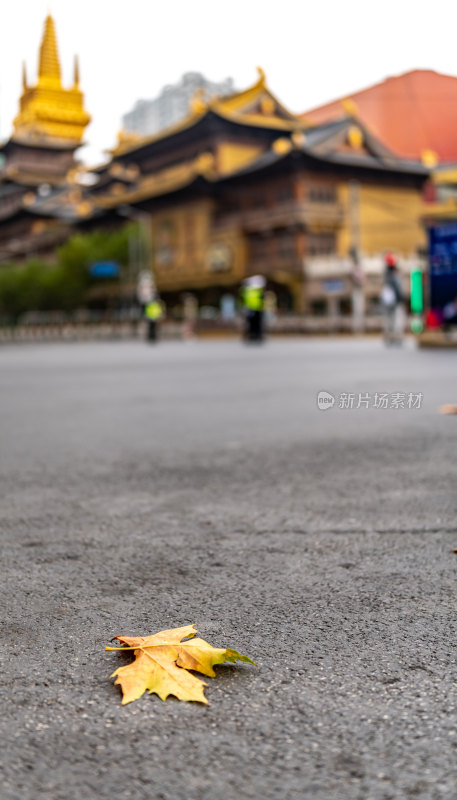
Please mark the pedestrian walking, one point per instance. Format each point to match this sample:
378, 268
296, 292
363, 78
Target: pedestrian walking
253, 298
393, 301
153, 312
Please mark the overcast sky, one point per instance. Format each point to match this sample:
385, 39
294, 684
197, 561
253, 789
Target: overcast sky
312, 52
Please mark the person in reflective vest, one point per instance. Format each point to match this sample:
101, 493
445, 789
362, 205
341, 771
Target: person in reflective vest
153, 312
253, 298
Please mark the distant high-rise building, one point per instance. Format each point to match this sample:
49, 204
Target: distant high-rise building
173, 103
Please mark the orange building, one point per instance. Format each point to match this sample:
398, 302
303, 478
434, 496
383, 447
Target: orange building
414, 114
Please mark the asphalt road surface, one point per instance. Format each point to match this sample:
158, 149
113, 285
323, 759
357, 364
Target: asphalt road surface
145, 488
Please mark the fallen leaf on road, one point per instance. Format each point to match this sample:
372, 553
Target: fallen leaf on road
448, 409
162, 662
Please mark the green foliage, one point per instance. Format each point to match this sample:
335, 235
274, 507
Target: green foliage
63, 286
76, 255
12, 291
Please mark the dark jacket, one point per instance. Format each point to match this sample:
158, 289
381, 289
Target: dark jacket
392, 278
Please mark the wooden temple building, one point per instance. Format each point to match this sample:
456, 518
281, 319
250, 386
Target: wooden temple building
241, 186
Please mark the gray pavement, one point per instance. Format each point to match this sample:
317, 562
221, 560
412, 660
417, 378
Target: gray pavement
146, 488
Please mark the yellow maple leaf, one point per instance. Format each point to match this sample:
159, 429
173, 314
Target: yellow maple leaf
162, 662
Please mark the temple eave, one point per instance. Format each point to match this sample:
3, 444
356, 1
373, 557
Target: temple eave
31, 138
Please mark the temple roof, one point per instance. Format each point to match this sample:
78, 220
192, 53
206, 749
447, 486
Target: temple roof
255, 107
22, 177
44, 143
358, 159
257, 103
165, 182
346, 144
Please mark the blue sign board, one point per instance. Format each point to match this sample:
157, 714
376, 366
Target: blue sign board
333, 285
104, 269
443, 264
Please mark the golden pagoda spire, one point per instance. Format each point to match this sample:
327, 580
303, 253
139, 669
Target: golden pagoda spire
48, 64
76, 73
48, 111
24, 76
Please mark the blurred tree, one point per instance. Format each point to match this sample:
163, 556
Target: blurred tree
63, 286
12, 296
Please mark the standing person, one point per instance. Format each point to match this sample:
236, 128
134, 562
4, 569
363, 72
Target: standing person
153, 312
393, 300
253, 298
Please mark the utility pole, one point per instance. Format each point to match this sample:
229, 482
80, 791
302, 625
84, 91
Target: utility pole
144, 220
358, 277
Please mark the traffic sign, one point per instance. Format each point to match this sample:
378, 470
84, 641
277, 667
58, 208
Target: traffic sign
104, 269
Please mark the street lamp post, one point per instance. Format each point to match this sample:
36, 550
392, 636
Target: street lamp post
358, 276
144, 219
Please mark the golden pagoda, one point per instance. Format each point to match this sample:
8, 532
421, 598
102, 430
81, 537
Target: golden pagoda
48, 111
